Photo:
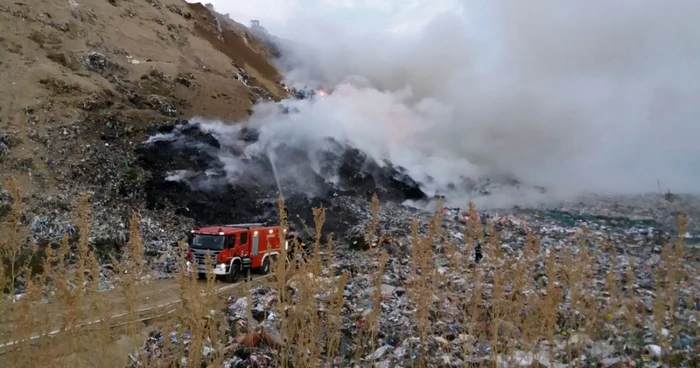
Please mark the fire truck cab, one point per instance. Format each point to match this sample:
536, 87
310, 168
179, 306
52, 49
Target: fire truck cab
234, 249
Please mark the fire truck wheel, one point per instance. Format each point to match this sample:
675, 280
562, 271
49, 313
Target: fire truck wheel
234, 274
265, 269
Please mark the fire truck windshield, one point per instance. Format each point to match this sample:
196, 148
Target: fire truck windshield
213, 242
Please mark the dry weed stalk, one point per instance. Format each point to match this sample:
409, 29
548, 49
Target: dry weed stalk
319, 219
334, 320
373, 317
304, 322
213, 317
186, 277
303, 327
27, 322
83, 246
421, 282
373, 221
12, 238
281, 276
474, 222
316, 321
89, 271
130, 270
196, 310
497, 310
68, 294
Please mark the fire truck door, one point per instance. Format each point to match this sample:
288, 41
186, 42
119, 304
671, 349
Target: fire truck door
255, 245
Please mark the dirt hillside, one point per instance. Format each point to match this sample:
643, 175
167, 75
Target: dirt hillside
84, 80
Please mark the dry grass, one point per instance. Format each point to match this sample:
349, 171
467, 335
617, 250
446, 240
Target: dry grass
512, 302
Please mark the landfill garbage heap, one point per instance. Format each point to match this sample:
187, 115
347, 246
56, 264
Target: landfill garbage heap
580, 248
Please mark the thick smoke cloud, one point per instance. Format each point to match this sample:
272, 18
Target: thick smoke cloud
576, 96
592, 96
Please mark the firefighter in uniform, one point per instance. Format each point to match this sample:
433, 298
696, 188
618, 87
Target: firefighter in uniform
477, 253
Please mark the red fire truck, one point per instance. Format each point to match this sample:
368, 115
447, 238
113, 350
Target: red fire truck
235, 248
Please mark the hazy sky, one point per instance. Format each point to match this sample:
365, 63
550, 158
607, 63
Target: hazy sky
395, 15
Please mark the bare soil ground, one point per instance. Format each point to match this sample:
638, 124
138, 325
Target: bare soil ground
113, 68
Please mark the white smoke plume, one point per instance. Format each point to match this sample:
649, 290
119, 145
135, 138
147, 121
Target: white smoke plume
575, 96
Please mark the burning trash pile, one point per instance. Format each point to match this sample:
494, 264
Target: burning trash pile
571, 285
302, 93
211, 174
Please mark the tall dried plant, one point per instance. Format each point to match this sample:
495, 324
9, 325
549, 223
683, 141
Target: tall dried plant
130, 269
371, 231
319, 215
12, 239
373, 317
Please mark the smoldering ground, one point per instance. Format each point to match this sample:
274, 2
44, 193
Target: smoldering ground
219, 174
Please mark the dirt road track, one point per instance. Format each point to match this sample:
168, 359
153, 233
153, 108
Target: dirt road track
155, 300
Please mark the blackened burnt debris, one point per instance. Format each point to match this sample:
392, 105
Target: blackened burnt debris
205, 193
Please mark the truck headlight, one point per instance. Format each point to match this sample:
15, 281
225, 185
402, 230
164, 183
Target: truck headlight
222, 266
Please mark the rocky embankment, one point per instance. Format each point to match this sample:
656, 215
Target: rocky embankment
86, 82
